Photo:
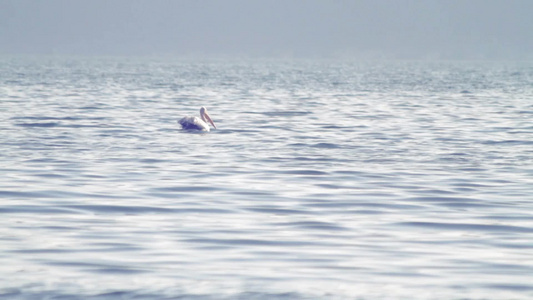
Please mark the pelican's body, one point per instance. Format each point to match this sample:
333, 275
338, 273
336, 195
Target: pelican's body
195, 123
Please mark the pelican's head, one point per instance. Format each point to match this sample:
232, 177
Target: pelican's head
205, 116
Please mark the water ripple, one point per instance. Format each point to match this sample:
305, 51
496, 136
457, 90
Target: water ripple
323, 180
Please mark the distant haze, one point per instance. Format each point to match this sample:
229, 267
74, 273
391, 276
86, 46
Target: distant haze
395, 29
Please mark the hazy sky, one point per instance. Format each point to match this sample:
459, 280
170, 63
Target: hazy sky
446, 29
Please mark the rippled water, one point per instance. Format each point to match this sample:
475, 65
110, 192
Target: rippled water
324, 180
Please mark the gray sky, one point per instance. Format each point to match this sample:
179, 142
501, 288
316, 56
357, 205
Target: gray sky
419, 29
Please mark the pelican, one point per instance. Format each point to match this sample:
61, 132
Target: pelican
195, 123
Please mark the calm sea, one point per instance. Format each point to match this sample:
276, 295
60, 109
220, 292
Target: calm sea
324, 179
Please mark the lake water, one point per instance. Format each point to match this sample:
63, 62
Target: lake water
324, 179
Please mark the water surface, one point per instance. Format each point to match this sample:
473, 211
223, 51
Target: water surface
324, 180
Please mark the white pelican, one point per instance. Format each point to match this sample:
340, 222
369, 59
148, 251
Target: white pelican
195, 123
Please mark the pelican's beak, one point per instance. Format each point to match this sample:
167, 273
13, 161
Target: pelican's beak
208, 118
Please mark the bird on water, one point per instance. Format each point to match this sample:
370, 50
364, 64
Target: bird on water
195, 123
